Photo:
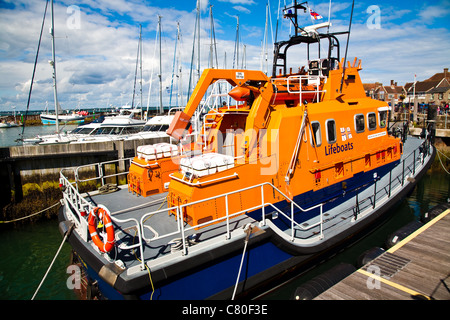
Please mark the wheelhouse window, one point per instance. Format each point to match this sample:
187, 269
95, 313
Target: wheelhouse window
359, 123
156, 128
316, 137
131, 130
371, 121
382, 115
331, 131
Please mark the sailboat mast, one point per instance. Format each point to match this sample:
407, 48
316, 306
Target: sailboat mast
236, 47
198, 43
53, 64
136, 69
161, 109
265, 63
140, 63
244, 57
211, 39
174, 63
196, 35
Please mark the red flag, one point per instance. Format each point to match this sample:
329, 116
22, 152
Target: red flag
315, 15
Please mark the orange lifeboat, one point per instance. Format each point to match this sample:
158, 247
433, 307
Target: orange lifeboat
240, 93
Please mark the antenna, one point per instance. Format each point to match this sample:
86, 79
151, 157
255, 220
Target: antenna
346, 47
291, 12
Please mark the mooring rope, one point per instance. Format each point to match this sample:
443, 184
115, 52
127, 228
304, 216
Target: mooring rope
31, 214
248, 231
441, 160
53, 261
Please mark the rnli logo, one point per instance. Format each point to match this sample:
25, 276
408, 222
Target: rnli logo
346, 134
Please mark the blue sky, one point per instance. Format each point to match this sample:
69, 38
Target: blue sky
96, 44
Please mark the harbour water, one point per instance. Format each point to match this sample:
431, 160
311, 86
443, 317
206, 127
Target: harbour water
27, 251
25, 254
8, 136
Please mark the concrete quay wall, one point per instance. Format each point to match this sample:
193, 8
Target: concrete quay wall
38, 164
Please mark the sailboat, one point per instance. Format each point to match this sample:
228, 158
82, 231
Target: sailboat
58, 116
48, 118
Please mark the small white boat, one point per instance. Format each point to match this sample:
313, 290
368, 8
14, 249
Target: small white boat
66, 137
124, 126
50, 118
9, 124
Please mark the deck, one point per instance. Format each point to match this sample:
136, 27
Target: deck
418, 267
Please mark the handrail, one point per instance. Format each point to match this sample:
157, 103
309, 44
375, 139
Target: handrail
181, 229
72, 197
199, 183
301, 91
146, 165
99, 165
299, 78
79, 204
140, 238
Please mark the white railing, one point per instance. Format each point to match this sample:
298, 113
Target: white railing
78, 209
77, 205
308, 80
182, 229
99, 167
211, 103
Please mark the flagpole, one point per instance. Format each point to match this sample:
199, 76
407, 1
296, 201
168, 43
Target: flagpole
415, 100
329, 17
310, 15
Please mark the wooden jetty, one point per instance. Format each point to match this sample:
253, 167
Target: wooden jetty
418, 267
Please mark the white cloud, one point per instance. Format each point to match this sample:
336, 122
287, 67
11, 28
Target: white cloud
245, 2
96, 63
241, 9
429, 13
399, 51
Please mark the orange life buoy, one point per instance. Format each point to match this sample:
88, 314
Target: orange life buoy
96, 215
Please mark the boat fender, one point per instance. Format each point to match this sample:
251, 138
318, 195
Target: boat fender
92, 290
65, 227
323, 282
434, 212
99, 217
402, 233
369, 255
